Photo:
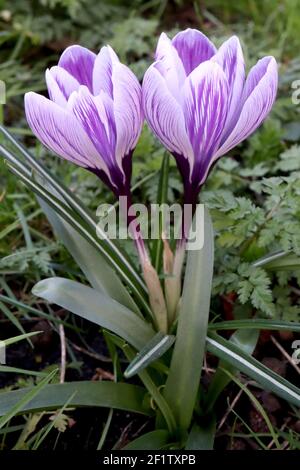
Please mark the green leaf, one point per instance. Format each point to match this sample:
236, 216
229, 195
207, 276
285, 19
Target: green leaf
255, 324
97, 271
96, 307
246, 340
202, 435
279, 261
289, 159
255, 285
15, 339
156, 347
14, 320
14, 407
92, 394
186, 365
153, 440
35, 311
16, 370
242, 361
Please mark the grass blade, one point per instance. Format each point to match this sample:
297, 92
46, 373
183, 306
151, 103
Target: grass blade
257, 405
36, 312
23, 400
15, 339
14, 320
15, 370
52, 423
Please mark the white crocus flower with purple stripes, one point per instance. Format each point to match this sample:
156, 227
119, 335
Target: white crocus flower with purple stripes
199, 103
94, 115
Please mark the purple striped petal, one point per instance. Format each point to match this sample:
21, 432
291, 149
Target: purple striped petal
60, 85
164, 115
266, 65
96, 116
103, 70
258, 97
79, 62
205, 109
128, 113
60, 131
193, 48
231, 59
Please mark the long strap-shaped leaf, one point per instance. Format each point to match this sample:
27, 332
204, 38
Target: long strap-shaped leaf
280, 260
67, 214
186, 365
96, 307
94, 394
255, 324
246, 340
242, 361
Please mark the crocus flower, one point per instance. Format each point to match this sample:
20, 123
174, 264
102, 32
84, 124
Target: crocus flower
199, 104
94, 115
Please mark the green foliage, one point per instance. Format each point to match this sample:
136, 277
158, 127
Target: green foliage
133, 38
237, 218
289, 160
264, 146
24, 261
254, 285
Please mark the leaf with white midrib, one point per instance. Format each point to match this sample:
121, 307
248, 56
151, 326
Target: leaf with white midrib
156, 347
